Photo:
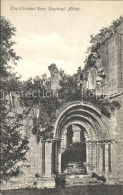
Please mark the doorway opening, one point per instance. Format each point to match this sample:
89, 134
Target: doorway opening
73, 150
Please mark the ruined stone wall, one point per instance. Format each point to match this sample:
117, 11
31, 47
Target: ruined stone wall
34, 158
112, 61
112, 64
116, 127
55, 77
115, 84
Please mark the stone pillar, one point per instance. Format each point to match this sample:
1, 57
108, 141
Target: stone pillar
103, 158
53, 157
97, 158
90, 155
59, 156
93, 157
106, 158
100, 158
40, 159
109, 158
88, 159
56, 156
48, 157
43, 158
64, 141
111, 162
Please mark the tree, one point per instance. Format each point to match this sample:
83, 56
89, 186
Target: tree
9, 80
14, 144
8, 55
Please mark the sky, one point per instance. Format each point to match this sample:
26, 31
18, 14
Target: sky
60, 36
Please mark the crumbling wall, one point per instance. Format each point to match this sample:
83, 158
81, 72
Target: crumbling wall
55, 77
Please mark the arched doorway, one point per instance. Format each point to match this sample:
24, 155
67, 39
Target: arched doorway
73, 150
83, 123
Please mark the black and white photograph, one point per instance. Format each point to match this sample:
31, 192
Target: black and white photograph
61, 112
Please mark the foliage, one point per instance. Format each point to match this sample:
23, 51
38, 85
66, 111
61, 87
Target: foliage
13, 145
106, 33
47, 133
98, 40
69, 90
42, 129
49, 105
30, 89
108, 107
8, 55
9, 80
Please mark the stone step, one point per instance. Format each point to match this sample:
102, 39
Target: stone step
43, 182
79, 180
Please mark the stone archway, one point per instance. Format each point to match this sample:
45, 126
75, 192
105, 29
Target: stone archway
90, 145
96, 134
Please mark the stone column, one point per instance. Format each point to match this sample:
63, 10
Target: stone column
94, 157
43, 158
109, 158
48, 157
100, 158
88, 159
90, 156
97, 157
40, 159
106, 158
103, 157
56, 156
59, 156
64, 140
113, 174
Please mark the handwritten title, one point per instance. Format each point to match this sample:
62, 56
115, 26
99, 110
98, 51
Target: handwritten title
22, 8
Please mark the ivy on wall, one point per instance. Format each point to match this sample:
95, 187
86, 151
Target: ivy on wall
69, 90
43, 126
98, 40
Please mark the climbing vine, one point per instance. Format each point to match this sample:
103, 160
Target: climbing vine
98, 40
69, 90
43, 125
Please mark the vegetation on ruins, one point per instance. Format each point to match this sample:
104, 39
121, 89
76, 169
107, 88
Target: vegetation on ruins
98, 40
13, 144
93, 60
69, 90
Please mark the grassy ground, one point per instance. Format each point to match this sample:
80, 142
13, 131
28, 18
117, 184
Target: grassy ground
76, 190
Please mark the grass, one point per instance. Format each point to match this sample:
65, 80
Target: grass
76, 190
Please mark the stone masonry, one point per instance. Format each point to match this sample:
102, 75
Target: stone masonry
105, 158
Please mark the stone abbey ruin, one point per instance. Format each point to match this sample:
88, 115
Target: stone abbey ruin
85, 132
